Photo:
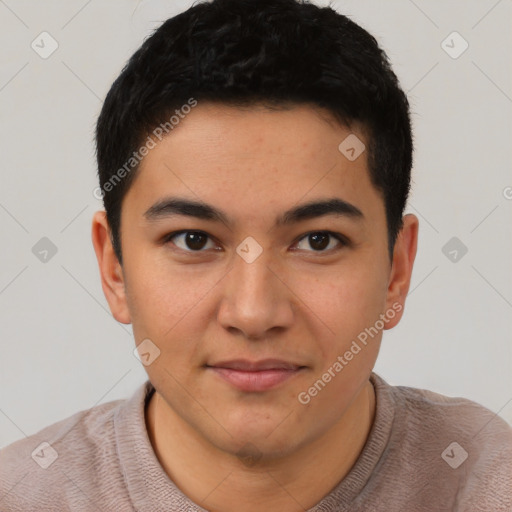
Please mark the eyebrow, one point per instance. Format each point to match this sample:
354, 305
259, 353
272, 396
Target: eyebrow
172, 206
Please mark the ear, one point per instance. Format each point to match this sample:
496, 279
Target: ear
112, 279
404, 254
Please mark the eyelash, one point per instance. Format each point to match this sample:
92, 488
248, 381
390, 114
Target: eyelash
345, 242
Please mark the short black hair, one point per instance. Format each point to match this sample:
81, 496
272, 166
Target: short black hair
245, 52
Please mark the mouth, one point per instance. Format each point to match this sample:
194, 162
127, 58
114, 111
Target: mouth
255, 376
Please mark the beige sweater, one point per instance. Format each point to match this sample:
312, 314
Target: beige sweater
425, 452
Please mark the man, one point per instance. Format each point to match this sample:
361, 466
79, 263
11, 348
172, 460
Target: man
254, 160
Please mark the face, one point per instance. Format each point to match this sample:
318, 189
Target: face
260, 280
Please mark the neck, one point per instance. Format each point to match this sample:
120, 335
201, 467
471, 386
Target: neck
220, 482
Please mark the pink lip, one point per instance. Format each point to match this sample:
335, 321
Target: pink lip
255, 376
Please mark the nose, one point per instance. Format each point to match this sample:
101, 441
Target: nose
255, 298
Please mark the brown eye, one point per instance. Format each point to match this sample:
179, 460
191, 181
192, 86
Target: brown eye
319, 240
191, 241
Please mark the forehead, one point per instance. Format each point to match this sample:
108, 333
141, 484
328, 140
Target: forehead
253, 159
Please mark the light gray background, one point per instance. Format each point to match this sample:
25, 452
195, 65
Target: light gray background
61, 350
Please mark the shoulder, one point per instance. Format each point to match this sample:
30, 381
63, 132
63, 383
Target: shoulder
458, 443
455, 415
52, 466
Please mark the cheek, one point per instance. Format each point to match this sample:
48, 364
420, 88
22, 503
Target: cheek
161, 295
171, 307
340, 303
349, 305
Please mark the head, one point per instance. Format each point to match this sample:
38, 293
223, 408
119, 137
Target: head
233, 142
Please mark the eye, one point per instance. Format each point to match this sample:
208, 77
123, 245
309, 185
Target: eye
319, 240
197, 241
192, 241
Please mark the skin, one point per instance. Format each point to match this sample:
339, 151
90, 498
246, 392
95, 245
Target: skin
294, 302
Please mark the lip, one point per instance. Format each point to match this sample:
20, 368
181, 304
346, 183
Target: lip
253, 376
254, 366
